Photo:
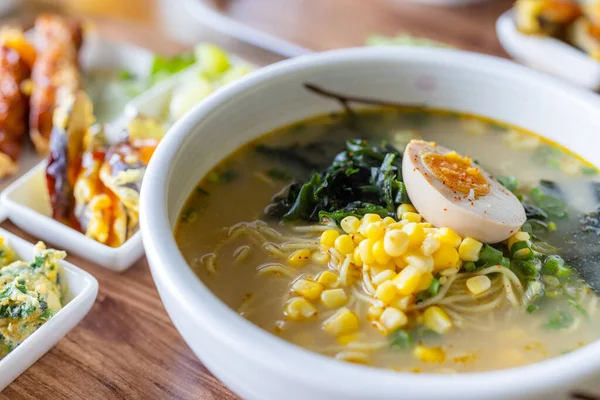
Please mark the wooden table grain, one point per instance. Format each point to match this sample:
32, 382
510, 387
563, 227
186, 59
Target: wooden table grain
127, 347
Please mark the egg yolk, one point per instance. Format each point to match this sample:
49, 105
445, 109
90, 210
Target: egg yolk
457, 173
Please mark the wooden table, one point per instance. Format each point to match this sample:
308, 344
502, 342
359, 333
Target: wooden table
127, 346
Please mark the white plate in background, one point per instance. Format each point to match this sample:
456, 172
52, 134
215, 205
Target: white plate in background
548, 54
206, 13
79, 293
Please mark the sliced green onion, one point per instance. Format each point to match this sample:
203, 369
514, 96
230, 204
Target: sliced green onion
552, 263
505, 262
532, 307
527, 268
522, 251
563, 271
578, 307
554, 293
490, 255
550, 280
469, 266
434, 287
401, 339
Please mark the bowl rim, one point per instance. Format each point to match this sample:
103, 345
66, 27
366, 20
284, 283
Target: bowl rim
174, 274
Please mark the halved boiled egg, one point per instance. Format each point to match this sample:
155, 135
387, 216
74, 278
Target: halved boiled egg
449, 190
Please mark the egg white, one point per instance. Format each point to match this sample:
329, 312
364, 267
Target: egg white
490, 218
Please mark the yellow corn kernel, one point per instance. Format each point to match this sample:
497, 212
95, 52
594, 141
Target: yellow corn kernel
451, 271
350, 224
425, 281
386, 292
357, 238
357, 258
299, 257
423, 263
344, 244
374, 312
402, 208
328, 279
449, 237
386, 275
374, 231
445, 257
392, 319
308, 289
415, 233
365, 250
389, 220
349, 338
430, 245
400, 262
437, 320
518, 237
376, 269
334, 298
395, 242
395, 226
403, 302
342, 322
430, 354
407, 280
370, 218
469, 249
328, 238
478, 284
320, 257
412, 217
299, 308
379, 253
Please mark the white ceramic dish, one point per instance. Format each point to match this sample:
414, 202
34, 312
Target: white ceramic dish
548, 54
207, 12
24, 199
258, 365
79, 291
28, 207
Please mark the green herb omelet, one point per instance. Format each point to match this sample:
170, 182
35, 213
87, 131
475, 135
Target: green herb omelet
30, 293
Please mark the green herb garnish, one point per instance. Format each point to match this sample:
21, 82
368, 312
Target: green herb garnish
401, 339
559, 320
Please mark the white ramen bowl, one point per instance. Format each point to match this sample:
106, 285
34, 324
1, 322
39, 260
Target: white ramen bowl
258, 365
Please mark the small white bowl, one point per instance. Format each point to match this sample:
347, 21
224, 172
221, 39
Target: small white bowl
28, 206
258, 365
548, 54
79, 293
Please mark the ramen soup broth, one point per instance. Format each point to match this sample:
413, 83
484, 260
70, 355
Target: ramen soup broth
243, 255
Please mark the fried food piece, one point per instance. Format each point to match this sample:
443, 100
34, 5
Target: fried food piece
51, 29
123, 170
56, 71
16, 40
13, 108
72, 119
545, 17
100, 214
584, 35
